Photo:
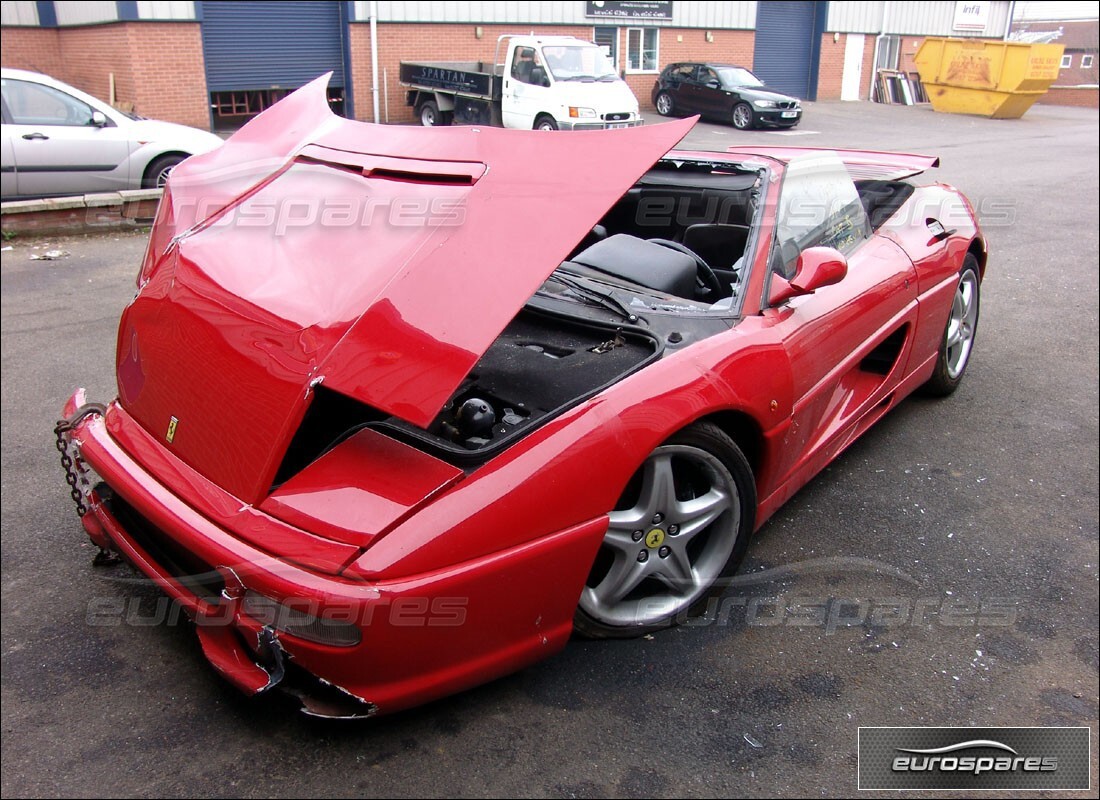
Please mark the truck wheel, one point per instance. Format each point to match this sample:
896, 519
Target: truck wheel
545, 122
430, 115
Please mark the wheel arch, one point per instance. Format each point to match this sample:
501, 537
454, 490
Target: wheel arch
977, 249
745, 432
146, 170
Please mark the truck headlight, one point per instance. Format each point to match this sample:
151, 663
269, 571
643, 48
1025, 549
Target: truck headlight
764, 103
577, 111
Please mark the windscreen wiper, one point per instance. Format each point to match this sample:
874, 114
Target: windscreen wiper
604, 299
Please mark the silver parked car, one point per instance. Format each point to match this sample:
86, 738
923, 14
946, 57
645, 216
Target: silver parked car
57, 140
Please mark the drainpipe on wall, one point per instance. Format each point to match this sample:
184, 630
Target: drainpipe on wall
1008, 23
874, 59
374, 54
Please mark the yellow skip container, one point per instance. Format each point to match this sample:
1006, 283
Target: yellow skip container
986, 77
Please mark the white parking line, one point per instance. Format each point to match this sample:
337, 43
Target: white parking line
794, 133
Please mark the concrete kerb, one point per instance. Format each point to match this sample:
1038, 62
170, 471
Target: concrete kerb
87, 213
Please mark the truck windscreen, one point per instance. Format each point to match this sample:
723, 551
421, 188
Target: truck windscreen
578, 62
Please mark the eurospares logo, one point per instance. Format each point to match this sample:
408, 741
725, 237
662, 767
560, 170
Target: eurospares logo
974, 758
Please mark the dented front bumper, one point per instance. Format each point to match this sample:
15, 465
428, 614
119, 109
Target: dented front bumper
416, 639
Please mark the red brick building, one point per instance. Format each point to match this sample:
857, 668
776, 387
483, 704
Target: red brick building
217, 63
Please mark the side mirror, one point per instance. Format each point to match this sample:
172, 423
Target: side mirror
99, 119
816, 267
713, 84
538, 77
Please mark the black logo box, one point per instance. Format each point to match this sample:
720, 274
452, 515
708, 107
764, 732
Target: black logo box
1044, 758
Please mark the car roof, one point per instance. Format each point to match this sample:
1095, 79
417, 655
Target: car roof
11, 72
706, 64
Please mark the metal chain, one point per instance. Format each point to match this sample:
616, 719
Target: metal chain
62, 430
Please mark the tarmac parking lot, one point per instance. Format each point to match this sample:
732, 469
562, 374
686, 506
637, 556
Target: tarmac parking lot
943, 572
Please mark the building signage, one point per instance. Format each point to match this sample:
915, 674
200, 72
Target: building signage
629, 9
971, 15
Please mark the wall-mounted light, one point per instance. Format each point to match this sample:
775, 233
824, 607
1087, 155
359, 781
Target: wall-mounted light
836, 37
710, 36
479, 32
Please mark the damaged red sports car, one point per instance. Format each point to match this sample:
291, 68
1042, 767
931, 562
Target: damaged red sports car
400, 409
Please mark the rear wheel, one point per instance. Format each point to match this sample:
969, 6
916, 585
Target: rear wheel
742, 116
958, 338
546, 123
431, 116
680, 528
664, 104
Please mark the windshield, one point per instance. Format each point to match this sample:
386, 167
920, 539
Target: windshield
578, 62
736, 76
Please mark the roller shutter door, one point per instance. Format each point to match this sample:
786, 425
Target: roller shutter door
252, 45
786, 40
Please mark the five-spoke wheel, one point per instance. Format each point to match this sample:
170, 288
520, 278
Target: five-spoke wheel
958, 339
681, 526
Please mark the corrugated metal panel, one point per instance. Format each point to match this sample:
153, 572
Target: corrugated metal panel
783, 53
250, 45
165, 9
685, 13
85, 12
932, 18
18, 12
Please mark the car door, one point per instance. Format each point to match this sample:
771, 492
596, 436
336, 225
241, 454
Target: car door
710, 97
7, 156
524, 94
56, 145
847, 344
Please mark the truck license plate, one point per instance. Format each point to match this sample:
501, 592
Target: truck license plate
618, 125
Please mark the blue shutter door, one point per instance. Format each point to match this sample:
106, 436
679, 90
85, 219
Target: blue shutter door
787, 41
251, 45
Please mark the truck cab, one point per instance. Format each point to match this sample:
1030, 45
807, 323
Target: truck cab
563, 83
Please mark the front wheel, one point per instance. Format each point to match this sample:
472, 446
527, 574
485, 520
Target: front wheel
958, 338
546, 123
157, 173
679, 530
742, 116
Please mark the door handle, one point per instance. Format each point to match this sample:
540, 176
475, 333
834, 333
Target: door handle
35, 135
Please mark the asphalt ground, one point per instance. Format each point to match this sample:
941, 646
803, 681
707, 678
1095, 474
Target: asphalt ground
942, 572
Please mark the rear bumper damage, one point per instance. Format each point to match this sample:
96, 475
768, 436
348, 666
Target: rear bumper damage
384, 645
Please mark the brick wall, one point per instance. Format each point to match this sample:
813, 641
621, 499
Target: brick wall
831, 71
1083, 97
37, 49
458, 42
158, 66
169, 72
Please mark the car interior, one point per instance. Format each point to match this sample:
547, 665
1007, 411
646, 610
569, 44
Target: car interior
681, 230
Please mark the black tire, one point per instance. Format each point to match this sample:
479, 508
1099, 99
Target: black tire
664, 101
430, 116
156, 174
954, 358
686, 552
544, 122
742, 117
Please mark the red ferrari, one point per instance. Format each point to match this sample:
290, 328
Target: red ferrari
400, 409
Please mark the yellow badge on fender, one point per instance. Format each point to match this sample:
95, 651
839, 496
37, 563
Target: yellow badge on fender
172, 423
